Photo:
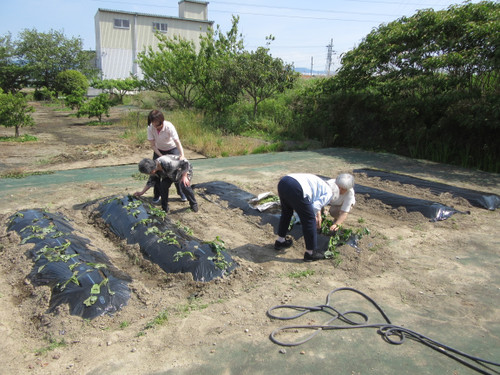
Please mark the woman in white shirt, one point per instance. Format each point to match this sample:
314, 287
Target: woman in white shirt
164, 141
340, 207
308, 195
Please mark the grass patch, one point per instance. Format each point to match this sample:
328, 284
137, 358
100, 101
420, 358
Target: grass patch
300, 274
53, 344
20, 174
21, 138
205, 138
159, 320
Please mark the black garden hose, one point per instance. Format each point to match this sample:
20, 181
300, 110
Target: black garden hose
391, 333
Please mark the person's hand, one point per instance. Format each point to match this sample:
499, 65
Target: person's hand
138, 193
334, 227
185, 180
318, 220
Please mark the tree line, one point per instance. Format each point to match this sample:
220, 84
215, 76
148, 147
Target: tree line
425, 86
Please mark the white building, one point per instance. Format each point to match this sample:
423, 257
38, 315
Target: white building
121, 35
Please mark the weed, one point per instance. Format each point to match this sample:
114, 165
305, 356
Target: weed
53, 344
140, 176
124, 324
19, 174
159, 320
300, 274
22, 138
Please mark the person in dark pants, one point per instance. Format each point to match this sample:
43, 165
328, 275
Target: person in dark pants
164, 171
305, 194
164, 140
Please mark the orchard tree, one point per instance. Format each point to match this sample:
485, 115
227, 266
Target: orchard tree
15, 111
262, 76
119, 87
217, 71
95, 107
171, 69
73, 85
13, 75
47, 54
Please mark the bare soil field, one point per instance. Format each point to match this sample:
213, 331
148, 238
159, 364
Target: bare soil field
447, 270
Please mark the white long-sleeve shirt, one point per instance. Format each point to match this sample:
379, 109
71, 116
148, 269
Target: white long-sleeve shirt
315, 189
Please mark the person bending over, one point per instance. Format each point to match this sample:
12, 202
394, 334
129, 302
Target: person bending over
164, 140
164, 171
341, 206
305, 194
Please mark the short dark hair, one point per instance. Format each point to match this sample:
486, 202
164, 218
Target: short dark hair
147, 166
155, 116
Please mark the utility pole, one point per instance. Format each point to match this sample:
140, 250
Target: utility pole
329, 54
311, 66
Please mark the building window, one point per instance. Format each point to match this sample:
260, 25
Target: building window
122, 23
161, 27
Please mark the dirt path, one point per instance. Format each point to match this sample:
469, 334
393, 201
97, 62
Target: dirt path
442, 276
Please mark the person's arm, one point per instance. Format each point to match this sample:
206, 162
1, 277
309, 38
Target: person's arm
152, 142
339, 221
179, 147
318, 219
139, 193
152, 180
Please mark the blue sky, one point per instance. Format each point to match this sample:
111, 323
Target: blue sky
302, 29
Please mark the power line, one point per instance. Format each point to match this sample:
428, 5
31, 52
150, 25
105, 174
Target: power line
304, 9
298, 17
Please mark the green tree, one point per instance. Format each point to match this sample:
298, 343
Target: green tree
95, 107
119, 87
47, 54
73, 85
217, 72
13, 76
171, 69
426, 86
262, 76
15, 111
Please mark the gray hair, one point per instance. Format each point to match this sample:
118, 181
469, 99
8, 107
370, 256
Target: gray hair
147, 166
345, 181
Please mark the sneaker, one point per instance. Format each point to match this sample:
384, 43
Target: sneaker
194, 207
157, 200
313, 257
184, 199
283, 245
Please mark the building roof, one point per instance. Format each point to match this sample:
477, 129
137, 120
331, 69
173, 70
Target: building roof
154, 15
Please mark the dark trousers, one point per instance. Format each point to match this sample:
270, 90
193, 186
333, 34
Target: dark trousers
165, 184
292, 199
156, 189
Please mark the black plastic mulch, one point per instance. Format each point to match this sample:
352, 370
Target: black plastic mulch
83, 278
476, 198
163, 242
